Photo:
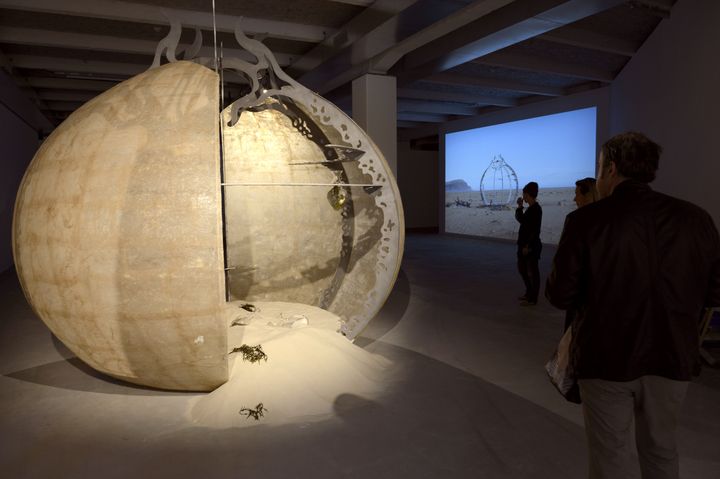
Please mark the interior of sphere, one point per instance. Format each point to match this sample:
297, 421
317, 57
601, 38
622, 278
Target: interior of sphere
293, 232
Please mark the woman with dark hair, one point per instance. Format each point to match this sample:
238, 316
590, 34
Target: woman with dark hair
529, 245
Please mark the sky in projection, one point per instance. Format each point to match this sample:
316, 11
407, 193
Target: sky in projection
553, 150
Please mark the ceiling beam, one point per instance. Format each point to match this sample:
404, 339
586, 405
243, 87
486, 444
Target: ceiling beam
514, 23
450, 23
537, 64
359, 3
369, 19
423, 106
81, 41
660, 8
582, 87
91, 70
64, 105
66, 66
496, 84
593, 41
154, 15
423, 117
418, 94
377, 51
665, 4
75, 96
69, 84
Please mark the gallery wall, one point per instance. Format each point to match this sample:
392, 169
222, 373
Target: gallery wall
21, 121
671, 92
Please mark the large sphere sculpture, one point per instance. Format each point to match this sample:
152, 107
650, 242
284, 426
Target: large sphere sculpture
129, 242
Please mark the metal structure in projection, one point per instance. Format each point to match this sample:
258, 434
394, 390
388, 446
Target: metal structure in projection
499, 183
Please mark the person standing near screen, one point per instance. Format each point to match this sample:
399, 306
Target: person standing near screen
639, 267
528, 243
585, 192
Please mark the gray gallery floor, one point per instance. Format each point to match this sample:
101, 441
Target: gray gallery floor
471, 399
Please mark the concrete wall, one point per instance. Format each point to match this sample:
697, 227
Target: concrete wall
670, 90
20, 121
419, 188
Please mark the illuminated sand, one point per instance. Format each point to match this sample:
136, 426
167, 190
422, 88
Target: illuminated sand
307, 369
500, 223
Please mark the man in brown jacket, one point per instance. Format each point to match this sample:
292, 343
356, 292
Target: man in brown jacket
639, 267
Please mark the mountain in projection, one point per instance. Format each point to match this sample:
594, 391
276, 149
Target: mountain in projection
454, 186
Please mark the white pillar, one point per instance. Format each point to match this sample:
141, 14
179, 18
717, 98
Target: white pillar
374, 108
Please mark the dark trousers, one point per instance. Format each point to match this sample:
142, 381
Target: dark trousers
528, 268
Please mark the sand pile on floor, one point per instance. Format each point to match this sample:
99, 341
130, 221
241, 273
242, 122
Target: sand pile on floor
309, 364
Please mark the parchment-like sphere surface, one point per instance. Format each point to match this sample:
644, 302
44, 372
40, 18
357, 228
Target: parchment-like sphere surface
118, 234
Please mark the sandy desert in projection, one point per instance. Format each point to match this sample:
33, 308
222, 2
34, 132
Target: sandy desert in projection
500, 222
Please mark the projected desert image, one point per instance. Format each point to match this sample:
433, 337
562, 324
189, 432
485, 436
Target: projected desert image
486, 169
466, 214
